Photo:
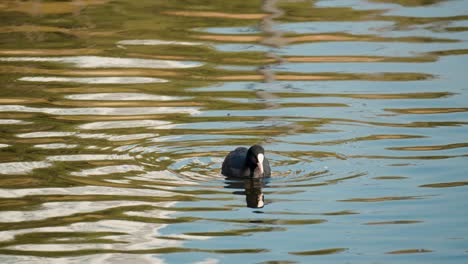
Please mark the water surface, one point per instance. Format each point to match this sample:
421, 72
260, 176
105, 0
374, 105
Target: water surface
115, 118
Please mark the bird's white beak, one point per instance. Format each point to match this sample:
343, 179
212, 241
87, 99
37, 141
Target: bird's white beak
260, 203
260, 158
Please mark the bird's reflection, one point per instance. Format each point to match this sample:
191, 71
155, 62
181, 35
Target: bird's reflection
252, 189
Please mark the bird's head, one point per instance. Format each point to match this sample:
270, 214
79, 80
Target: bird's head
255, 157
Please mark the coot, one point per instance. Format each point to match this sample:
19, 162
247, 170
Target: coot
243, 163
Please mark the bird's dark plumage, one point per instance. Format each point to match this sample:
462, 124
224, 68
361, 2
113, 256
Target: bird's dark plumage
245, 163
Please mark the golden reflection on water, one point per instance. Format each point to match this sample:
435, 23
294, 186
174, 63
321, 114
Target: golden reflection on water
215, 14
410, 251
320, 251
115, 118
37, 8
396, 222
106, 73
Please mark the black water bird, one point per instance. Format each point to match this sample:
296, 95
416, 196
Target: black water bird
246, 163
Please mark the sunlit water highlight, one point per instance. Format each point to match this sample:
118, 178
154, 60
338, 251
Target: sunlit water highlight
115, 118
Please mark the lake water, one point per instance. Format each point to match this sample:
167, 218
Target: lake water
115, 117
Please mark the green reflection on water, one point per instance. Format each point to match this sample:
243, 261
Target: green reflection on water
332, 131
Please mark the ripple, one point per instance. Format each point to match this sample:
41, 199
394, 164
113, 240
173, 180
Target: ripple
236, 232
353, 27
46, 134
48, 8
123, 97
428, 111
123, 124
381, 199
390, 178
116, 137
85, 190
56, 209
130, 137
110, 137
13, 122
443, 9
206, 14
22, 167
108, 170
88, 157
134, 166
409, 251
95, 80
84, 234
126, 111
396, 222
327, 251
344, 212
154, 42
60, 250
109, 62
445, 184
430, 148
273, 221
56, 146
164, 175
